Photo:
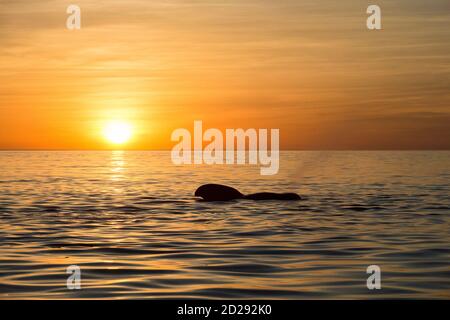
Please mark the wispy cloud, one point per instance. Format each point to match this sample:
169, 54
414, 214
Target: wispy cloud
302, 66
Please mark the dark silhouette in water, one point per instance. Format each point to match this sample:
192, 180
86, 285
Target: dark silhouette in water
218, 192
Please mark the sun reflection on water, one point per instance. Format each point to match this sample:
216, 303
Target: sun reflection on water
118, 165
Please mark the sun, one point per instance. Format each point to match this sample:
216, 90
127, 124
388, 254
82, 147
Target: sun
117, 132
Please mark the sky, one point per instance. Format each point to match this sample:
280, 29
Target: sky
309, 68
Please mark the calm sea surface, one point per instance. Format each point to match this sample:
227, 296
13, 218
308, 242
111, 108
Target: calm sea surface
130, 222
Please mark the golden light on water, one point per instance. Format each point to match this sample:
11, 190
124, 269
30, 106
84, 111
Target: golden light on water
117, 132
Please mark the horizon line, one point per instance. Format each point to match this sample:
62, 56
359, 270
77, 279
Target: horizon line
160, 150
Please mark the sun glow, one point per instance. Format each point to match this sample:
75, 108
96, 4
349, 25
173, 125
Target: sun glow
117, 132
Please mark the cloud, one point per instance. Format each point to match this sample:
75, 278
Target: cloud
301, 63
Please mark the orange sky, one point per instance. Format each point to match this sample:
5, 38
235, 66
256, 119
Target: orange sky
309, 68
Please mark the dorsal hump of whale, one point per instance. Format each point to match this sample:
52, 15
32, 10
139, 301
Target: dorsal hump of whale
217, 192
273, 196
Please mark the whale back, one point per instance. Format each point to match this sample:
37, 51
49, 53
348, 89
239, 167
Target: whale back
217, 192
273, 196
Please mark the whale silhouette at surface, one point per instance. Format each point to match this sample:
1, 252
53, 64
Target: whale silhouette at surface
218, 192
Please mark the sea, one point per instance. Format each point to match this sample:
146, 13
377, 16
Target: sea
129, 223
